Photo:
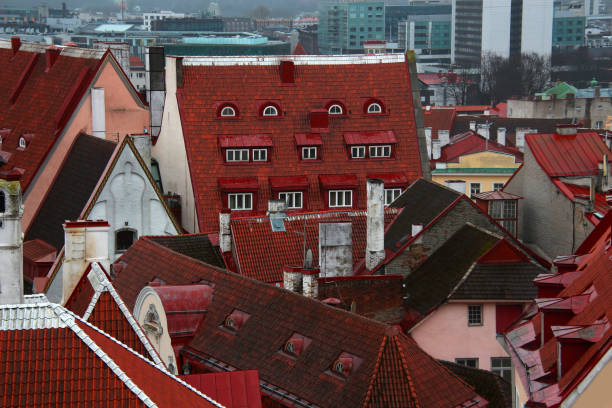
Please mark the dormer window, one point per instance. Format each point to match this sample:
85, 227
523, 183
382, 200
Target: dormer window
228, 111
22, 143
345, 364
296, 345
235, 320
270, 110
342, 367
374, 107
335, 109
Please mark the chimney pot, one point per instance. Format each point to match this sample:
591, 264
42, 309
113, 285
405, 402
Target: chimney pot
287, 72
51, 54
15, 44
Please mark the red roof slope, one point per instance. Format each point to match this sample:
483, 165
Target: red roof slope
471, 142
262, 254
389, 369
38, 250
438, 119
319, 81
561, 155
234, 389
584, 302
39, 101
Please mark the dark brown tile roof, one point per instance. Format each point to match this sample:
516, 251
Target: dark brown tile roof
196, 246
71, 189
490, 385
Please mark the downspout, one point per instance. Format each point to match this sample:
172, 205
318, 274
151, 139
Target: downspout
573, 225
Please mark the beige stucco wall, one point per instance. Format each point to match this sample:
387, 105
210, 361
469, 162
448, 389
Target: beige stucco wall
596, 393
124, 115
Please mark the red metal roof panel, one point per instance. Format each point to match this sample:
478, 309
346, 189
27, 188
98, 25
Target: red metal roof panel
391, 179
376, 137
238, 184
288, 182
245, 141
329, 181
308, 139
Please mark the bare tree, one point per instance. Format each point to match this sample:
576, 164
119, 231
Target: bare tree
535, 73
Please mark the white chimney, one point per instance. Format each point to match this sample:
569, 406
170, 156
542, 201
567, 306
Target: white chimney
292, 278
11, 243
98, 113
473, 125
435, 150
443, 137
375, 249
520, 137
225, 233
142, 143
501, 135
310, 283
336, 249
416, 229
84, 242
483, 130
277, 206
428, 140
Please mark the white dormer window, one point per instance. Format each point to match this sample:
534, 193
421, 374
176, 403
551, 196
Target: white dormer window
374, 108
22, 143
270, 110
228, 111
335, 109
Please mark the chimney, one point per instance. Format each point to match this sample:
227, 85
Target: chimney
520, 137
155, 83
15, 44
483, 130
11, 243
287, 72
336, 249
292, 278
84, 242
428, 140
592, 190
51, 54
567, 130
435, 149
375, 249
319, 119
225, 233
473, 125
310, 283
98, 113
416, 229
605, 174
443, 137
501, 135
142, 143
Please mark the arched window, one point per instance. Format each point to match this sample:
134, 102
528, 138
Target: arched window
22, 143
374, 108
335, 109
2, 202
124, 239
289, 347
228, 111
270, 110
339, 367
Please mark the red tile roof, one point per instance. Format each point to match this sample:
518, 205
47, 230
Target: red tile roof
496, 195
136, 62
57, 91
75, 364
438, 119
389, 369
319, 80
587, 299
470, 142
261, 254
561, 156
38, 250
235, 389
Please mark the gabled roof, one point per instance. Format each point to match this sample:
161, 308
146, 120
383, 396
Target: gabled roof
96, 301
584, 295
197, 246
568, 155
319, 80
24, 79
79, 365
438, 119
561, 90
261, 253
74, 184
234, 389
471, 142
390, 369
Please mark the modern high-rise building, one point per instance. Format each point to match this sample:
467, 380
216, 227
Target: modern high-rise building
569, 24
429, 35
422, 11
344, 26
502, 27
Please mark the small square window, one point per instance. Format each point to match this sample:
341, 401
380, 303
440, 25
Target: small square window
234, 155
380, 151
341, 198
309, 153
260, 154
240, 201
503, 367
391, 194
293, 199
358, 152
498, 186
474, 315
468, 362
474, 189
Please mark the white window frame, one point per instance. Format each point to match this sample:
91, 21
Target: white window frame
374, 107
378, 151
463, 361
290, 198
341, 198
501, 186
502, 366
22, 142
307, 153
358, 152
234, 152
228, 112
333, 109
391, 194
474, 185
240, 198
471, 312
260, 155
270, 110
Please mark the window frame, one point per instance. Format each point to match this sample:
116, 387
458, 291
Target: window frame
294, 194
501, 369
268, 115
395, 192
337, 195
335, 105
23, 143
310, 148
463, 361
243, 196
371, 105
259, 152
360, 147
233, 110
470, 321
472, 193
241, 150
498, 184
382, 150
134, 238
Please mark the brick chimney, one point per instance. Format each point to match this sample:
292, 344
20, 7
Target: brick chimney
336, 249
287, 72
225, 233
375, 248
15, 44
435, 149
11, 243
473, 125
51, 55
501, 135
483, 130
292, 278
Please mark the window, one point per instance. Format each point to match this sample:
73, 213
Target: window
474, 189
474, 315
156, 174
504, 212
270, 110
599, 124
503, 367
335, 109
358, 152
340, 198
124, 239
293, 199
309, 153
374, 108
22, 143
234, 155
468, 362
380, 151
228, 111
498, 186
260, 154
240, 201
391, 194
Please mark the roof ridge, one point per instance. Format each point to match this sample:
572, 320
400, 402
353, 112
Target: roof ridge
376, 367
272, 60
406, 369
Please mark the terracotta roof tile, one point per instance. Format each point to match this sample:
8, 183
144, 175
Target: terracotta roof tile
235, 389
438, 119
470, 142
38, 250
197, 246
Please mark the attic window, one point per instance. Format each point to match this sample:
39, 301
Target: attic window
124, 238
270, 110
22, 143
345, 364
335, 109
228, 111
296, 345
374, 108
235, 320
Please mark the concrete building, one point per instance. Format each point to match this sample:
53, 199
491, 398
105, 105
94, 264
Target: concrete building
148, 18
502, 27
569, 25
427, 31
345, 26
